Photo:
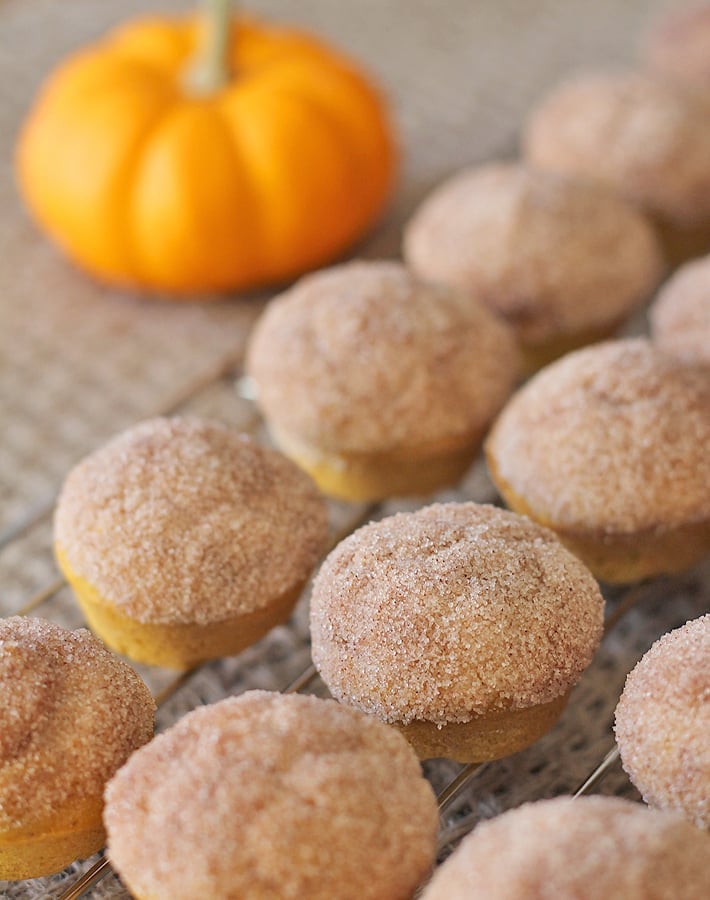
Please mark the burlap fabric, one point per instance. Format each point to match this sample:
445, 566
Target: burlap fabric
79, 362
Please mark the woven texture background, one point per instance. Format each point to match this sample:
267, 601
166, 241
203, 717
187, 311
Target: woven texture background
79, 362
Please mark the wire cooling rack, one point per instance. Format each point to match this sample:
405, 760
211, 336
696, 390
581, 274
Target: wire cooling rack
576, 757
79, 363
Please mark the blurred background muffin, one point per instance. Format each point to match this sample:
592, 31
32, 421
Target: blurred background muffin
563, 262
645, 138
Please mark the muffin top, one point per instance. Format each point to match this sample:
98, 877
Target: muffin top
678, 47
450, 612
186, 521
663, 723
364, 357
631, 132
550, 254
590, 848
680, 316
264, 795
71, 714
613, 438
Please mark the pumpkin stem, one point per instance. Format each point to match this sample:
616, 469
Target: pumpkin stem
210, 70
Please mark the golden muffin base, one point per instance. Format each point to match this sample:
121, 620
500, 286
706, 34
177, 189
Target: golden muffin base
49, 847
179, 646
493, 735
621, 558
375, 476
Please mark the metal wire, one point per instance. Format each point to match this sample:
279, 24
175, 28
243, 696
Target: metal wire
593, 779
91, 877
463, 826
454, 787
41, 597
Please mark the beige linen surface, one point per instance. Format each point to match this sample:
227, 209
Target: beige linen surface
79, 362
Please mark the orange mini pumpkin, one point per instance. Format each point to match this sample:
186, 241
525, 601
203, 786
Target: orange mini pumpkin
146, 181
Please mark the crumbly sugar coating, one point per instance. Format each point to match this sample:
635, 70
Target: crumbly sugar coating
628, 131
71, 714
678, 47
550, 254
186, 521
589, 848
611, 439
269, 796
451, 612
363, 357
663, 723
680, 316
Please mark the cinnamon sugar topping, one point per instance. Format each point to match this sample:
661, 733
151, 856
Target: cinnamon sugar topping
552, 255
680, 317
186, 521
590, 848
71, 714
678, 47
450, 612
663, 723
612, 438
642, 136
266, 795
364, 357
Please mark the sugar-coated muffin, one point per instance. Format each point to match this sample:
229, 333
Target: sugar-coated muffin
663, 723
265, 796
590, 848
71, 714
464, 625
563, 261
184, 540
677, 47
631, 131
680, 315
609, 448
378, 384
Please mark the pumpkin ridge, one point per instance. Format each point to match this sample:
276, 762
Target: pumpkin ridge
321, 191
124, 191
373, 194
337, 123
241, 163
90, 95
122, 42
237, 248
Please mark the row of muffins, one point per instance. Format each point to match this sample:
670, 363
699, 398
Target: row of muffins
312, 861
378, 384
268, 795
410, 598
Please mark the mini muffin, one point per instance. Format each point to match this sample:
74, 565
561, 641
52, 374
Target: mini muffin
678, 48
184, 540
645, 138
663, 723
71, 714
465, 626
609, 448
680, 316
591, 848
378, 384
564, 262
266, 796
